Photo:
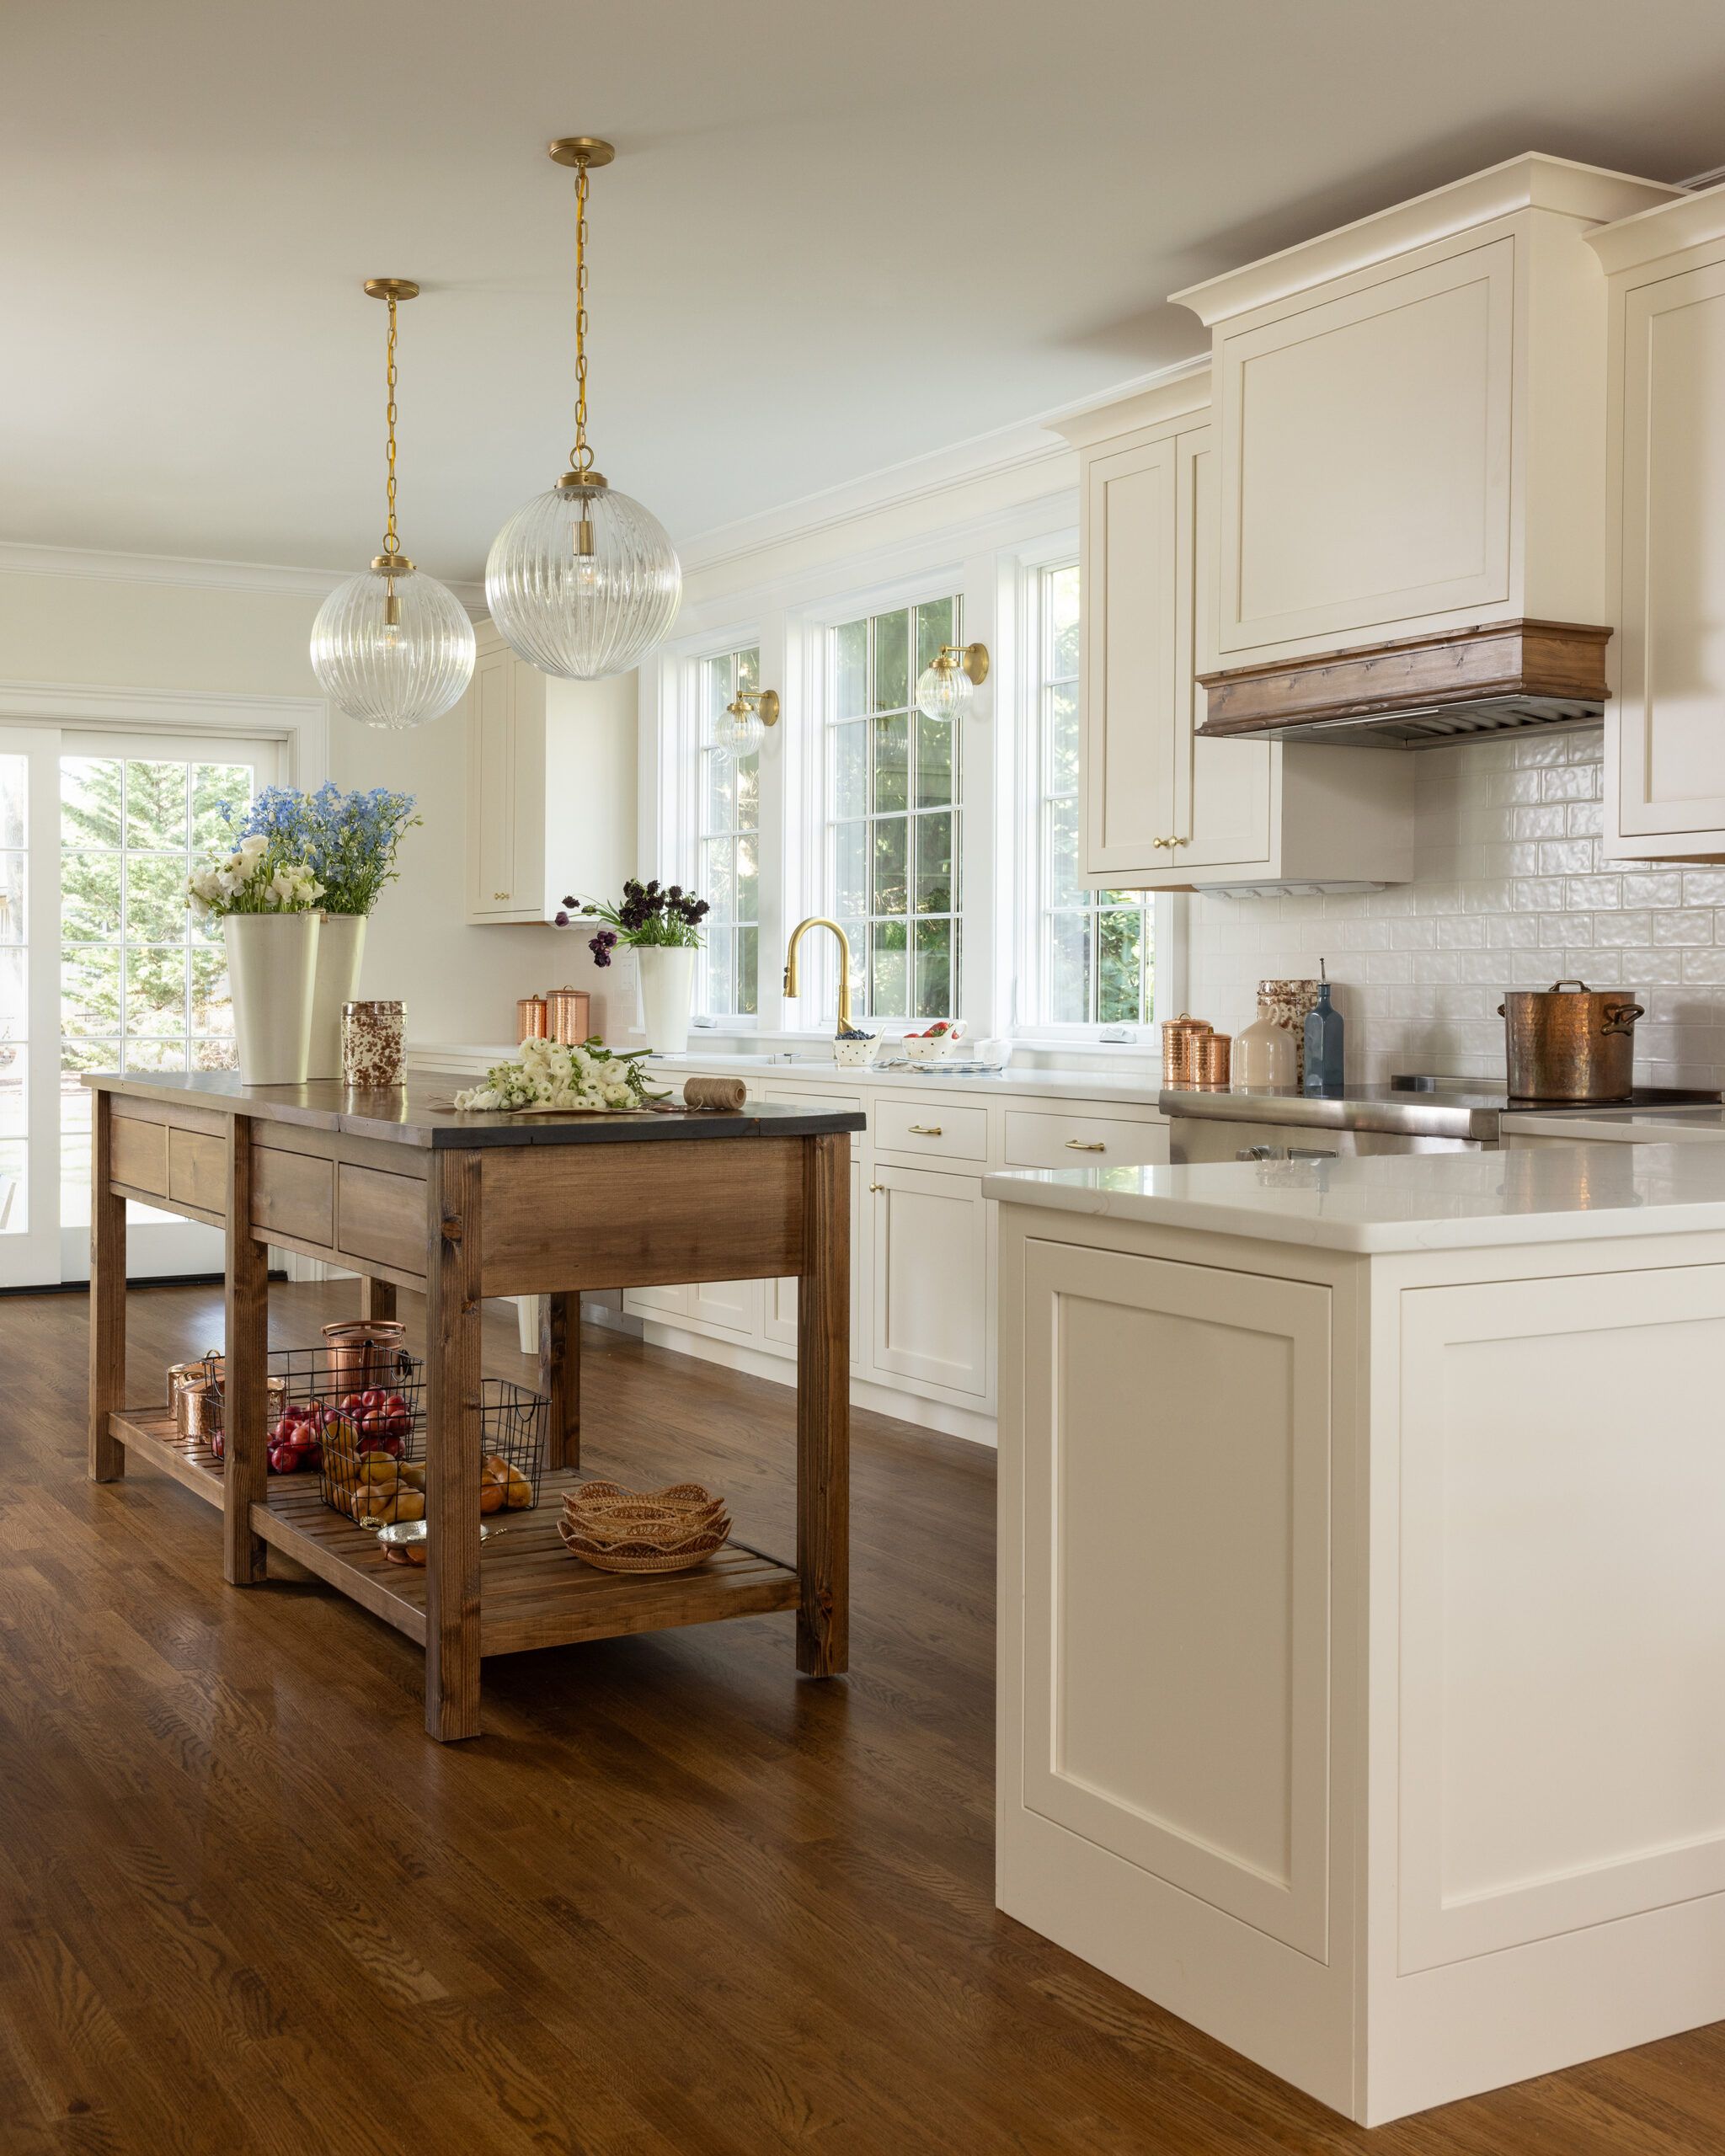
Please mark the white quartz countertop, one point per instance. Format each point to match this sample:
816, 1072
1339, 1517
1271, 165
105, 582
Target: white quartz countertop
1134, 1089
1620, 1126
1405, 1202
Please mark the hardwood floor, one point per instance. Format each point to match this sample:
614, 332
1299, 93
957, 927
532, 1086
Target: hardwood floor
676, 1898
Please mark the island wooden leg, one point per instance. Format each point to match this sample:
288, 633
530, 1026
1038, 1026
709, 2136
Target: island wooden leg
824, 1411
377, 1297
452, 1447
107, 1297
560, 1377
245, 1474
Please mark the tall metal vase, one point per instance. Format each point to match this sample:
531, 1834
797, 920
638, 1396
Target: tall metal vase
272, 972
340, 948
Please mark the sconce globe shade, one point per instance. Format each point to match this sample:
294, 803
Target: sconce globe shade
739, 734
944, 691
583, 616
394, 674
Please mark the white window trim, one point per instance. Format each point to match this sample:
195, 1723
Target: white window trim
993, 563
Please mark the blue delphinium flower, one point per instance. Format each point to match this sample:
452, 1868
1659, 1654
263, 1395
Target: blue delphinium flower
349, 839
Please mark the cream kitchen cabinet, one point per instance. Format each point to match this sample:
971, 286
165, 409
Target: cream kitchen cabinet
1163, 806
1408, 418
933, 1281
1665, 730
551, 787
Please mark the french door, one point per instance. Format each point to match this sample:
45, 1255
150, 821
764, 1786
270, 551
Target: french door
102, 968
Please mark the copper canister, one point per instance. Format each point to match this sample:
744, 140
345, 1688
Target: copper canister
195, 1395
1211, 1054
363, 1350
1178, 1035
374, 1044
531, 1018
567, 1015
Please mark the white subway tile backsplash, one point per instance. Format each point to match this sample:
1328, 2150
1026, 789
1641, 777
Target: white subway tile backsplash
1511, 890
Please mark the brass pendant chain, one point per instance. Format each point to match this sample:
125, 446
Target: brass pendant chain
581, 456
392, 545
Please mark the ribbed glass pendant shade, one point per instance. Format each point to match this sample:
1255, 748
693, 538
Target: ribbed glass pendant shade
393, 673
942, 691
578, 614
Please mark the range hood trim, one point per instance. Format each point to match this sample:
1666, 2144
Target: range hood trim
1419, 692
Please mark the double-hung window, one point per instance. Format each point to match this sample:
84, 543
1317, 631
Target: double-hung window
1094, 951
894, 799
730, 853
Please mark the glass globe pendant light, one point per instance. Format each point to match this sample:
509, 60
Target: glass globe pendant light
583, 582
391, 647
946, 687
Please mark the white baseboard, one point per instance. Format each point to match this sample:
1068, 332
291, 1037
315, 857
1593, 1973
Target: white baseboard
780, 1369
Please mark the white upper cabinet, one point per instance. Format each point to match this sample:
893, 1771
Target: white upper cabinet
551, 787
1163, 806
1408, 414
1665, 730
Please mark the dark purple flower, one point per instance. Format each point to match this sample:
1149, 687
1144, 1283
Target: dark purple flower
562, 918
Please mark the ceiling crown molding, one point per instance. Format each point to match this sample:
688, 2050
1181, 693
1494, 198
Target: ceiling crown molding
900, 486
19, 557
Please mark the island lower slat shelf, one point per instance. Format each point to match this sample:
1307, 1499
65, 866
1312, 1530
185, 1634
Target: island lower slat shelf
532, 1593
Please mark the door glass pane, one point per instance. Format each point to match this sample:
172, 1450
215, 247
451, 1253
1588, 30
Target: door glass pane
144, 986
15, 983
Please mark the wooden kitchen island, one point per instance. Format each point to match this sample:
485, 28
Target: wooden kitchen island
399, 1188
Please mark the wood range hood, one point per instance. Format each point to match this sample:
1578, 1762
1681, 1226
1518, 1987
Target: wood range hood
1419, 693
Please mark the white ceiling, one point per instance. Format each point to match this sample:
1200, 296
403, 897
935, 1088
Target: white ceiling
837, 236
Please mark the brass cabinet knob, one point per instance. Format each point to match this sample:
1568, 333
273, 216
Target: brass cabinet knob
877, 1186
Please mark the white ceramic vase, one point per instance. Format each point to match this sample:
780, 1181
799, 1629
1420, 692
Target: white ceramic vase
272, 972
666, 978
340, 943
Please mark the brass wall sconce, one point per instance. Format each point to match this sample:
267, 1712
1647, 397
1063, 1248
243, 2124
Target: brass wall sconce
746, 718
948, 684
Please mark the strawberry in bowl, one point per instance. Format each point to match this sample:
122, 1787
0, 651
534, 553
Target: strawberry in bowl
940, 1039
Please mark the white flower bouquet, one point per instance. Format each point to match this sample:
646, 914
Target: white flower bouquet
255, 878
548, 1077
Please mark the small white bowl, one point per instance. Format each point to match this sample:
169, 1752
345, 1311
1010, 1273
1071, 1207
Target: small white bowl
850, 1055
922, 1048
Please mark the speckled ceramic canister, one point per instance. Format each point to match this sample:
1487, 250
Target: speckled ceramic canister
374, 1048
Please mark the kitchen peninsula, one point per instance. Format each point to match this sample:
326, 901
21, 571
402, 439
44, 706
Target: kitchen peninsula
1362, 1623
400, 1186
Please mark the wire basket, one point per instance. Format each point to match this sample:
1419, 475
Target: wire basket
513, 1421
319, 1425
367, 1448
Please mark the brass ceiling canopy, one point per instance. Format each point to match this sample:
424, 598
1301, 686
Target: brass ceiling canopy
392, 288
581, 150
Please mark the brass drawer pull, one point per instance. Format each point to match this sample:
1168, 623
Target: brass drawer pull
925, 1130
1086, 1144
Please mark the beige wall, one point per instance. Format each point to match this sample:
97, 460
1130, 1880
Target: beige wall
459, 983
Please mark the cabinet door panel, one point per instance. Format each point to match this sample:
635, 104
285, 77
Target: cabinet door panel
491, 786
933, 1284
1335, 418
1222, 789
1177, 1467
1667, 780
1129, 659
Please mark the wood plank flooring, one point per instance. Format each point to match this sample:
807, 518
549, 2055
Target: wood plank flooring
675, 1900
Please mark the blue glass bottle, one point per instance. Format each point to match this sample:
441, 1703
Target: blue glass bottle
1323, 1047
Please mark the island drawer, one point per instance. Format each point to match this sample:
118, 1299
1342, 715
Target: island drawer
921, 1128
1037, 1139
